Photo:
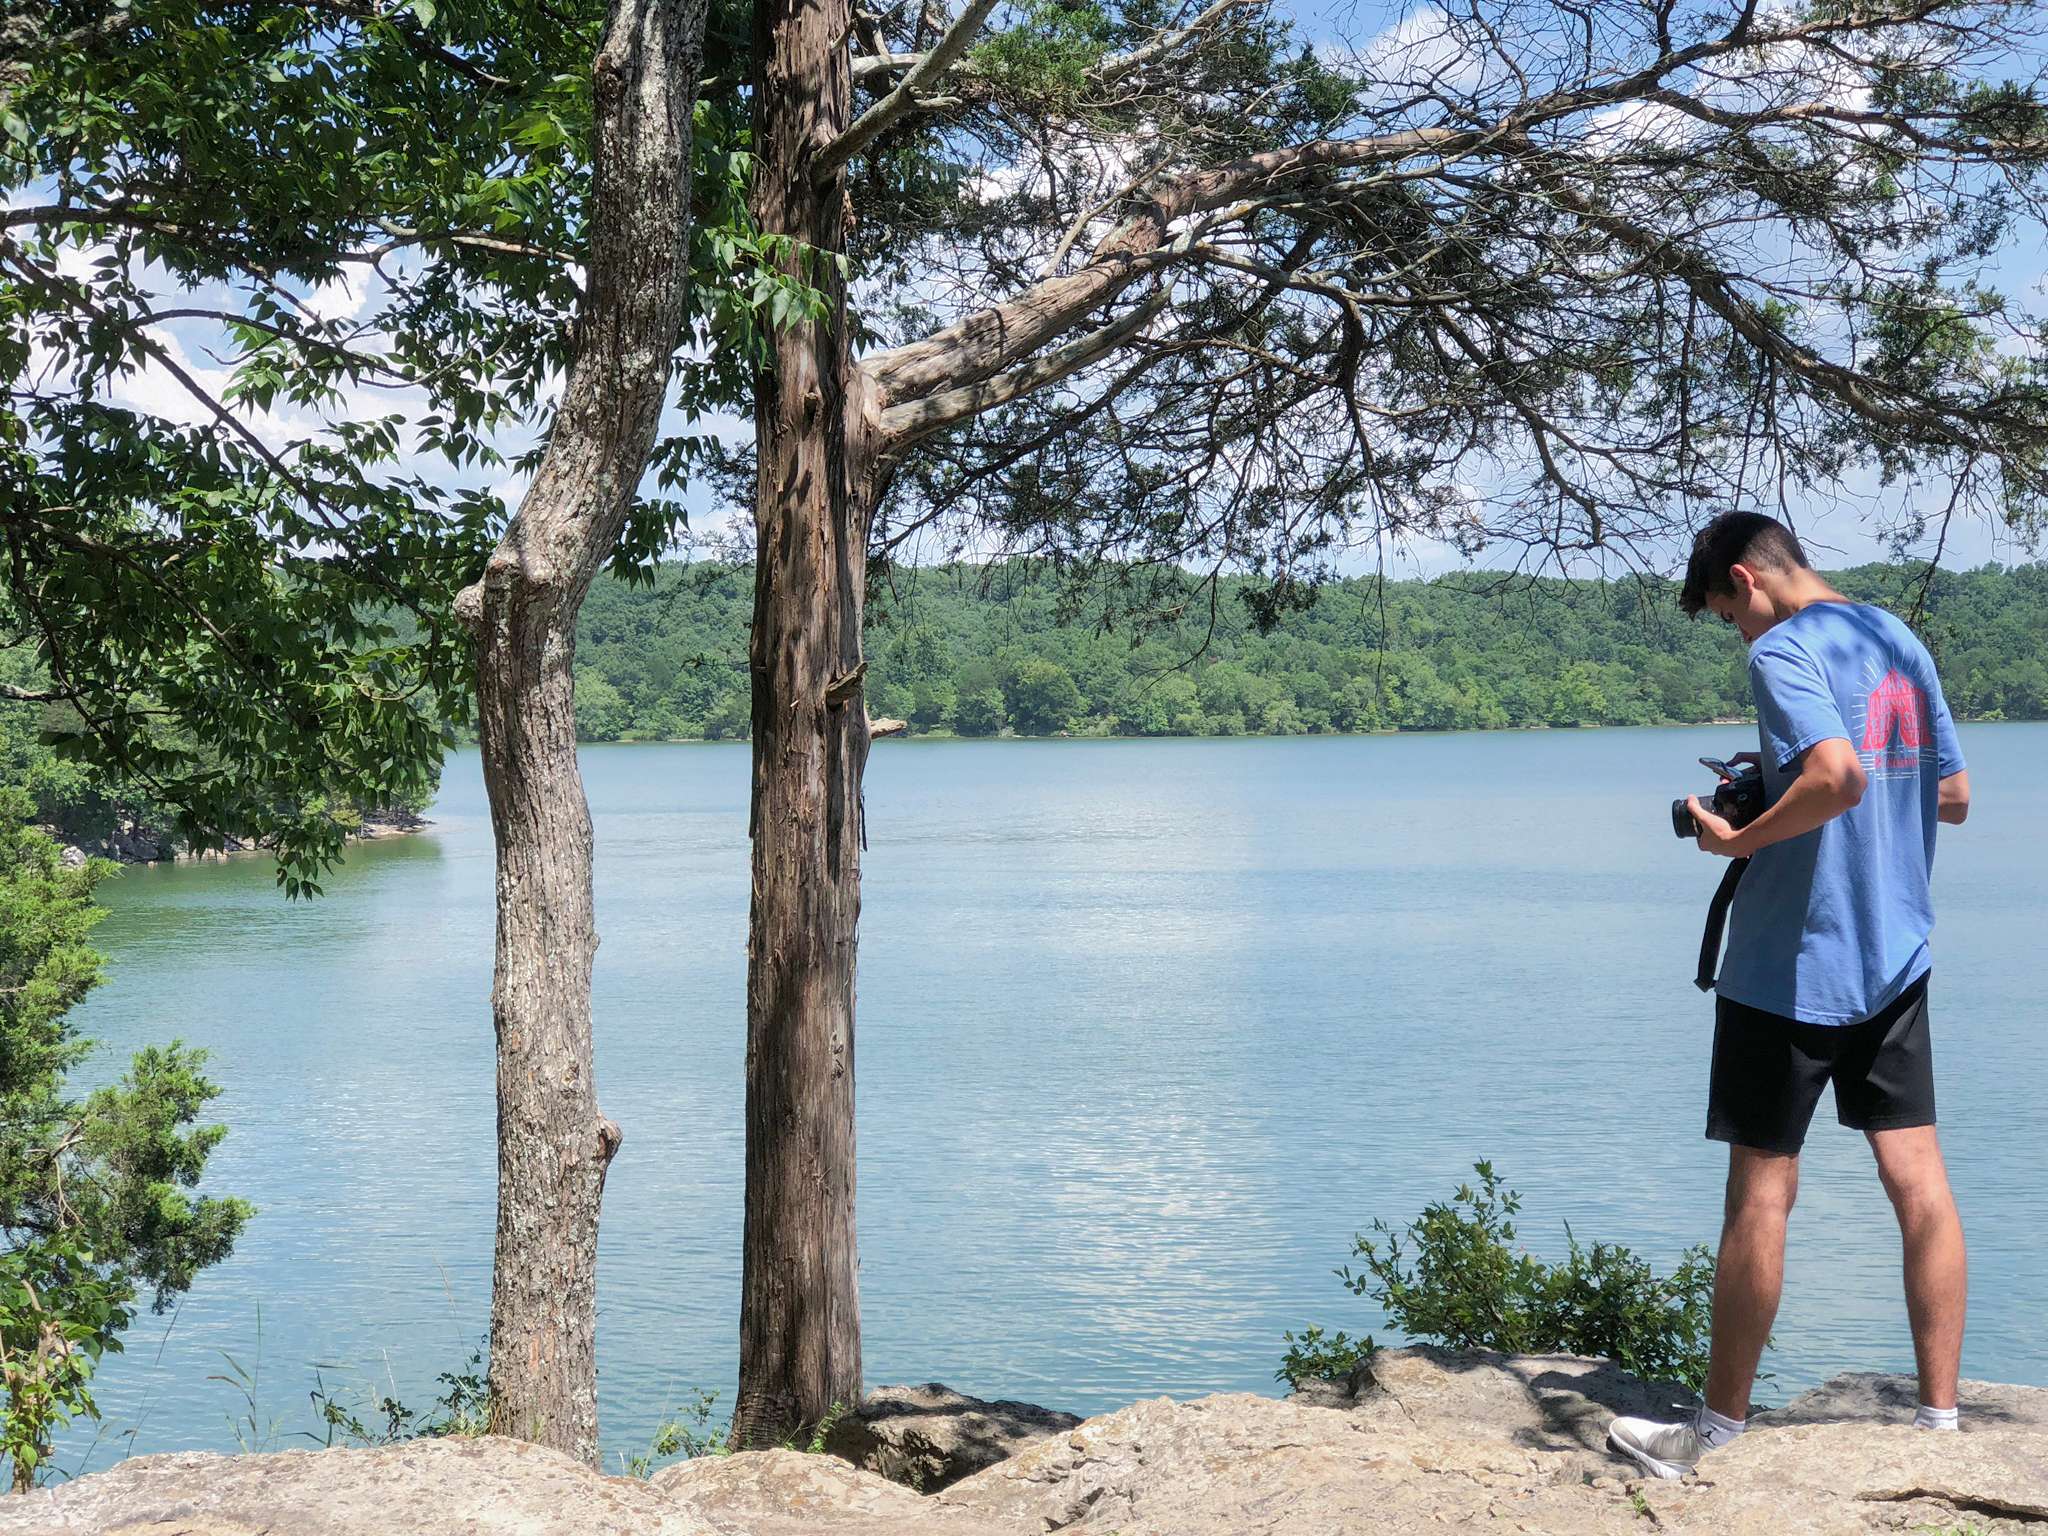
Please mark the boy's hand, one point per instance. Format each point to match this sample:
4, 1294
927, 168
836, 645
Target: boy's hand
1716, 834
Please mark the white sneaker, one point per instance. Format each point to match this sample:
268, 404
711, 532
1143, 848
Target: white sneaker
1662, 1450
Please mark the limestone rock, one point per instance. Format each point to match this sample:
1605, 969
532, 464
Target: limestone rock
489, 1487
1870, 1398
1846, 1479
1422, 1440
1540, 1402
793, 1493
930, 1437
389, 821
1222, 1466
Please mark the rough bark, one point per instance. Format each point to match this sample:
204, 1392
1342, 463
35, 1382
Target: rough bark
553, 1144
814, 421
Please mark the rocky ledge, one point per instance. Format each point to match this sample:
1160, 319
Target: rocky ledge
1417, 1439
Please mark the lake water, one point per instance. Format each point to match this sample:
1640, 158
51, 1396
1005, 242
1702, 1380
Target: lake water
1148, 1030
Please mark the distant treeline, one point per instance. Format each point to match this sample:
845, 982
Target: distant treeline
980, 652
976, 651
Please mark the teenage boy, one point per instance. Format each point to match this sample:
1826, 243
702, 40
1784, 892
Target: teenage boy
1825, 978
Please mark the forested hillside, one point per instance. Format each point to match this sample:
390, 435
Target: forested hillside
979, 652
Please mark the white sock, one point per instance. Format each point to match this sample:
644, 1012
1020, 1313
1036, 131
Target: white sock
1715, 1429
1936, 1418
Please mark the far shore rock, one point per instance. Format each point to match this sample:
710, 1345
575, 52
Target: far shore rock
1416, 1440
133, 843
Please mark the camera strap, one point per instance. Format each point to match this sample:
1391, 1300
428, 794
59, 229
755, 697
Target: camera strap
1717, 921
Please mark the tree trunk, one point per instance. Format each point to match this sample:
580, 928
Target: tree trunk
553, 1145
814, 424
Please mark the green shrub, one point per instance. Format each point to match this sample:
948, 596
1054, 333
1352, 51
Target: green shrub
1469, 1286
1316, 1357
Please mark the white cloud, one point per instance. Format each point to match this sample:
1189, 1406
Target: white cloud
343, 299
512, 490
1426, 51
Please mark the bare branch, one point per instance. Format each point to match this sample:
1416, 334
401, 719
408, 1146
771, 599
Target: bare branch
904, 424
1117, 65
925, 74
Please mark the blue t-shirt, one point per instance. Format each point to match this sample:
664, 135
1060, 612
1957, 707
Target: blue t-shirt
1831, 926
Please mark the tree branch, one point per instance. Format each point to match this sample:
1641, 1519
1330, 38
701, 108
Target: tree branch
877, 120
904, 424
983, 342
1115, 66
413, 36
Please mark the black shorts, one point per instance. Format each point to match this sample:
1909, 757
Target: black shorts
1769, 1071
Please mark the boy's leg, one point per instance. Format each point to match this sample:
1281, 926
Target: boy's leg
1768, 1073
1884, 1087
1937, 1267
1749, 1271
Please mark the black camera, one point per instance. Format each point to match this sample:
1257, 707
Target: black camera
1738, 799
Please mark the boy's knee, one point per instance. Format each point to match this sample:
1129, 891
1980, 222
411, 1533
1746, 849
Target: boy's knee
1761, 1186
1910, 1166
1919, 1194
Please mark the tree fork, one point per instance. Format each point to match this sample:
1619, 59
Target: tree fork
816, 436
554, 1146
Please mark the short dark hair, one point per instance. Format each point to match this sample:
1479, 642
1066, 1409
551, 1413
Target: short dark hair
1736, 538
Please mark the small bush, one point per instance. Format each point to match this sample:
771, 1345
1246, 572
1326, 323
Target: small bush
822, 1432
686, 1435
1469, 1286
1316, 1357
463, 1410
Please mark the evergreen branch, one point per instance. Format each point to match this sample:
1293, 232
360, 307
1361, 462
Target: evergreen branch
1954, 424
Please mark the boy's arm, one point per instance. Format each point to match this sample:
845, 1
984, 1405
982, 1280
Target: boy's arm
1954, 805
1831, 780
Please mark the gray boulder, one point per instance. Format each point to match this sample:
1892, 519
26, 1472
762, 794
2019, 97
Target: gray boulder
1849, 1479
930, 1437
1229, 1465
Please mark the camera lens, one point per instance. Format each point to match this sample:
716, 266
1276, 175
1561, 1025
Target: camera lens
1683, 821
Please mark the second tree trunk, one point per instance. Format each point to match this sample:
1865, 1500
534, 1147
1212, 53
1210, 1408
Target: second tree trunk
800, 1298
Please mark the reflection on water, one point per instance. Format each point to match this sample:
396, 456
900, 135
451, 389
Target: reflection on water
1147, 1031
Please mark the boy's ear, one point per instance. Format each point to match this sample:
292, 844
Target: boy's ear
1743, 579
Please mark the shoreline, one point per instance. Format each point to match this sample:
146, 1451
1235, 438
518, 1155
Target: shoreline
1013, 737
